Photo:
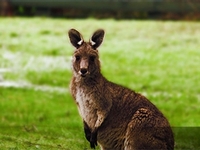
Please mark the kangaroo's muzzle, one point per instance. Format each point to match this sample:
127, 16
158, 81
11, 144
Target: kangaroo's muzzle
83, 67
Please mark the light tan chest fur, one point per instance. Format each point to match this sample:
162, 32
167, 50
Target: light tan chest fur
86, 107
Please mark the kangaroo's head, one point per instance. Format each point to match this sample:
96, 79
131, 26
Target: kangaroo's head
86, 58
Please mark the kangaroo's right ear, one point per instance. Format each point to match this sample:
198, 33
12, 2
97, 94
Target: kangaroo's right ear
97, 38
75, 38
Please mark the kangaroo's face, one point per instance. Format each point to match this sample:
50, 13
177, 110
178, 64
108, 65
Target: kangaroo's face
85, 58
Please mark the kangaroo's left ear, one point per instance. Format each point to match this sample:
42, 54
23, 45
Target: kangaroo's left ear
75, 38
97, 38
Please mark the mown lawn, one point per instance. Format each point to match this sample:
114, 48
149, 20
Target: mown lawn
159, 59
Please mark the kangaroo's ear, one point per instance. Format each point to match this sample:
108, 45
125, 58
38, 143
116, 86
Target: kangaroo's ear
97, 38
75, 38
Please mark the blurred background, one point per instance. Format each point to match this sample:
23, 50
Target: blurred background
150, 46
142, 9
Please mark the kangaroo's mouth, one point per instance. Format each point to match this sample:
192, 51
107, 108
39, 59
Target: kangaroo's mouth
83, 73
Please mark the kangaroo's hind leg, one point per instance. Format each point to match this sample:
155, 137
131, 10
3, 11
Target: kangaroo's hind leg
143, 133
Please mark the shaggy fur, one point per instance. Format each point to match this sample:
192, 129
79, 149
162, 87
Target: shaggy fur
114, 116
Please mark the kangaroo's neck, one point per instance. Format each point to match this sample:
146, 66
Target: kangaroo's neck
89, 81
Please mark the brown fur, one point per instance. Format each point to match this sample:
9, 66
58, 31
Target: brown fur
114, 116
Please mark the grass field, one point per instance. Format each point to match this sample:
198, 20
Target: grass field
158, 59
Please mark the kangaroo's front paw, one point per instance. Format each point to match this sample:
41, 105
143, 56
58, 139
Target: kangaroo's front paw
87, 131
93, 145
87, 134
93, 140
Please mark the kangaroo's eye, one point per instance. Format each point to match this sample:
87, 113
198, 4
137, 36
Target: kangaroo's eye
78, 58
92, 58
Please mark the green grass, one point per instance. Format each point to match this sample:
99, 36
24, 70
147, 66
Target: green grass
156, 58
38, 120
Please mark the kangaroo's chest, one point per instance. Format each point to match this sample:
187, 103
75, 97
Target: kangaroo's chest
86, 106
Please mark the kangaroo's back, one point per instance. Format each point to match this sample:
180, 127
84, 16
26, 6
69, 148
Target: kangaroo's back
114, 116
134, 122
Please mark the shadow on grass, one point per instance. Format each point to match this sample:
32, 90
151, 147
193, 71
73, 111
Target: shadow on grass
187, 138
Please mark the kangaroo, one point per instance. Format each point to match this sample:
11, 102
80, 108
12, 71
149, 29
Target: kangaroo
114, 117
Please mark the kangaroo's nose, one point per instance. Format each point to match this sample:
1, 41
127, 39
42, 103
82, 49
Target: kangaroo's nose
83, 71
